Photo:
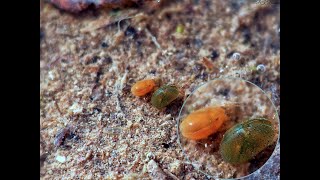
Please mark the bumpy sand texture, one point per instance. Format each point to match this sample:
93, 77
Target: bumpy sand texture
242, 100
88, 64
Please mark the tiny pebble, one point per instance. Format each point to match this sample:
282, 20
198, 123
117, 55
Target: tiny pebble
61, 159
236, 56
155, 172
261, 68
51, 75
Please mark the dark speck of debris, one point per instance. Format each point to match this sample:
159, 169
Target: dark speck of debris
179, 65
104, 45
99, 73
139, 43
188, 44
202, 76
197, 69
98, 110
108, 93
235, 5
131, 81
71, 135
229, 55
62, 134
130, 31
107, 60
256, 81
76, 138
165, 145
102, 172
224, 92
198, 43
242, 63
153, 71
246, 35
94, 59
214, 55
168, 16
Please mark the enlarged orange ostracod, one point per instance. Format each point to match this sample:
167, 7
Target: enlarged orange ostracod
143, 87
203, 122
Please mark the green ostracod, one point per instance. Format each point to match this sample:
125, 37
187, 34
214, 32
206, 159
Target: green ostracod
246, 139
164, 96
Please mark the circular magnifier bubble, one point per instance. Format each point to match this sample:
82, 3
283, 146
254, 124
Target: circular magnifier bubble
228, 128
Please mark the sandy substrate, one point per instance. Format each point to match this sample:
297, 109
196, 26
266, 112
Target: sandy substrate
92, 127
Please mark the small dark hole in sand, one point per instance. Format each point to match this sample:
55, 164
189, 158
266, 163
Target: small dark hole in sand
256, 81
153, 71
104, 45
93, 60
224, 92
97, 110
64, 60
165, 145
168, 16
131, 32
214, 55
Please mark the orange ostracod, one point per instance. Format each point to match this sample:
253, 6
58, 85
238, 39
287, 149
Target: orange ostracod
203, 122
143, 87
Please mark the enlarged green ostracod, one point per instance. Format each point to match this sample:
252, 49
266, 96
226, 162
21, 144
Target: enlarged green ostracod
164, 96
246, 139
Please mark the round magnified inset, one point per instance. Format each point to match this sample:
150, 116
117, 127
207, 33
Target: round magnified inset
228, 128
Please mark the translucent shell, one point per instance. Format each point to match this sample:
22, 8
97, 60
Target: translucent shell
245, 140
164, 96
143, 87
203, 122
